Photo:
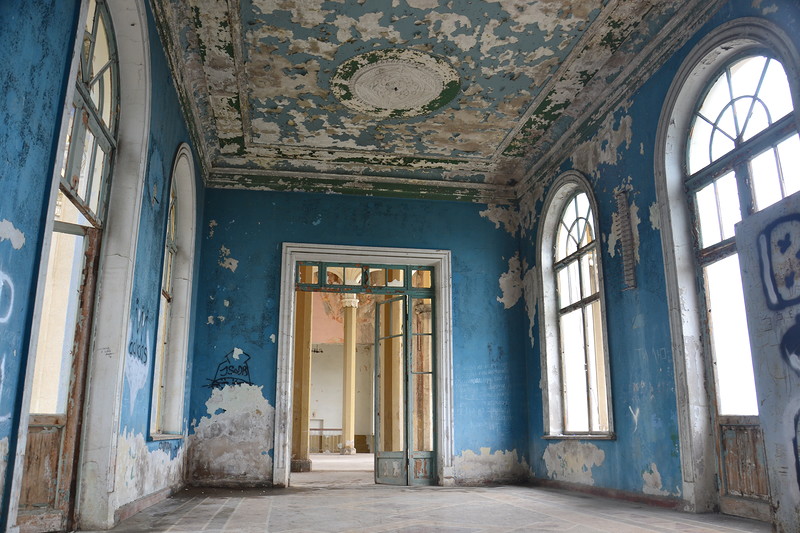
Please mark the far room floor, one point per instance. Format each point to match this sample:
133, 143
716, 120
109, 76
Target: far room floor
340, 495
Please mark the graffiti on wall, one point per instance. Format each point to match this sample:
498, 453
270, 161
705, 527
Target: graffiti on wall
6, 297
139, 351
231, 370
779, 257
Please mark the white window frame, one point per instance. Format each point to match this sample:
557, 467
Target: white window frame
729, 40
563, 189
173, 344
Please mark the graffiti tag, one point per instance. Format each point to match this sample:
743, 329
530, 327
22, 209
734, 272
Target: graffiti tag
231, 370
138, 346
6, 297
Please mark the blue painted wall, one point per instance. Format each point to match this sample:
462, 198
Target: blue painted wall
167, 132
489, 366
642, 372
36, 40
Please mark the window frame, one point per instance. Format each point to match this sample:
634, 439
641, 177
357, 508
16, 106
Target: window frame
168, 375
695, 428
564, 188
738, 163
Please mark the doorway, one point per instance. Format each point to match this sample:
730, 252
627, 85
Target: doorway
335, 372
437, 463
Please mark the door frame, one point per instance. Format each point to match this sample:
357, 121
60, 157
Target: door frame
440, 260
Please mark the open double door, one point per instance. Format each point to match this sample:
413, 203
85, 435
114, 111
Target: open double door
404, 392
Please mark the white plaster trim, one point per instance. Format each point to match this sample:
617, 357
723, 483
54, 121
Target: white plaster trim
97, 468
22, 429
441, 261
562, 189
698, 455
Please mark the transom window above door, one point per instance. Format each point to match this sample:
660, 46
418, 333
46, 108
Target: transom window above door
344, 277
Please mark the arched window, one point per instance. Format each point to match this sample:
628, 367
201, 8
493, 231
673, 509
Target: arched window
742, 155
575, 352
169, 369
727, 146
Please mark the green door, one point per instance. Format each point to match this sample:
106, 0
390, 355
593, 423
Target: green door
404, 392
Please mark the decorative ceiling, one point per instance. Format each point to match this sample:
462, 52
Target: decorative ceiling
455, 99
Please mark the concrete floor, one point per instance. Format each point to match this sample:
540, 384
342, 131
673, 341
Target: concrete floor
339, 495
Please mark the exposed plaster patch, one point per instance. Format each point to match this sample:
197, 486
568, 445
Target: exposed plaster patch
511, 283
210, 320
549, 15
488, 467
9, 233
572, 461
231, 445
603, 147
306, 13
765, 10
652, 482
655, 217
141, 471
225, 260
211, 225
531, 296
272, 338
507, 216
528, 214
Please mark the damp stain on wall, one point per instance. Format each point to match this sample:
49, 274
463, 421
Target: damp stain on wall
500, 466
572, 461
232, 444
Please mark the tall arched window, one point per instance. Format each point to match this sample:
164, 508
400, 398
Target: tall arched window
575, 352
727, 147
169, 369
742, 155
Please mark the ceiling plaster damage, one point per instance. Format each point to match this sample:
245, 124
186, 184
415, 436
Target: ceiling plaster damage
265, 86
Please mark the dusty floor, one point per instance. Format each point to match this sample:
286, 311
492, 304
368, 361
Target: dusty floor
340, 496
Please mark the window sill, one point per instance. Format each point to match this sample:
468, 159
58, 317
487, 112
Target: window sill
581, 436
164, 436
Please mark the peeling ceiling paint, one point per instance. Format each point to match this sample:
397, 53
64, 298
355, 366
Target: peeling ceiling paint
257, 79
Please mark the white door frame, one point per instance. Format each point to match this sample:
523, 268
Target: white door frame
443, 289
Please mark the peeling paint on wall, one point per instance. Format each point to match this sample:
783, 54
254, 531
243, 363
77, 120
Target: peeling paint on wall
9, 233
655, 217
487, 467
501, 215
572, 461
652, 482
211, 225
141, 471
604, 147
231, 445
225, 259
511, 283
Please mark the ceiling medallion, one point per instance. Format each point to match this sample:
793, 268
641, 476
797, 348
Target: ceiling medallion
395, 83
